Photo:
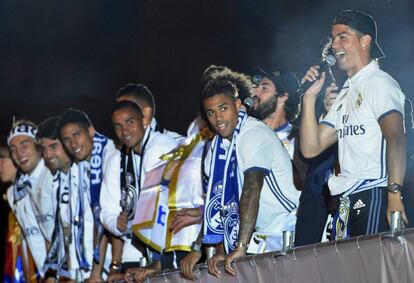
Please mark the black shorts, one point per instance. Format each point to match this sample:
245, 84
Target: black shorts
367, 212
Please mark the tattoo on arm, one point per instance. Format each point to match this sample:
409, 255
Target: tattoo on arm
249, 204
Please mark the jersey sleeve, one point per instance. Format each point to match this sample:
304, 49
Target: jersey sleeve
111, 194
256, 149
384, 96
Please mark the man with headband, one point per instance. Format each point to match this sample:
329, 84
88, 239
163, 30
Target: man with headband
367, 121
90, 151
31, 195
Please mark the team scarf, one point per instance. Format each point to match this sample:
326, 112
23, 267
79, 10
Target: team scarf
95, 183
222, 216
96, 176
79, 221
131, 173
25, 214
58, 255
21, 187
340, 222
130, 187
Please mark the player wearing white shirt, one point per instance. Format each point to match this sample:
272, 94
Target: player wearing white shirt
90, 151
367, 121
62, 256
268, 197
127, 121
279, 197
29, 190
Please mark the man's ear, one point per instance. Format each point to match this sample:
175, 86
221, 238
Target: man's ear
238, 104
147, 112
91, 131
365, 40
283, 97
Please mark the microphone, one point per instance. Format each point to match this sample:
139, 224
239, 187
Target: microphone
325, 65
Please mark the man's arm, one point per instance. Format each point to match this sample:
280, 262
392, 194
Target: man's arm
393, 130
249, 208
314, 138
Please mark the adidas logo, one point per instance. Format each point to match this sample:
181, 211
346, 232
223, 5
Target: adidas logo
359, 204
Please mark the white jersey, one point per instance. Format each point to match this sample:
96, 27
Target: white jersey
158, 144
37, 222
364, 99
258, 148
283, 133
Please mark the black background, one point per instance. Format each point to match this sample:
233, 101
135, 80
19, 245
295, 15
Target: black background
60, 54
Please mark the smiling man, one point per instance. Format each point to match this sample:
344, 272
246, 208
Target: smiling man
53, 152
250, 184
125, 176
61, 259
90, 151
32, 188
367, 121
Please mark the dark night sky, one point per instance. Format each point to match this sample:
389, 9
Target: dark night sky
60, 54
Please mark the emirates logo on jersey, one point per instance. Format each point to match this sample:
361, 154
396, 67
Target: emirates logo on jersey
349, 129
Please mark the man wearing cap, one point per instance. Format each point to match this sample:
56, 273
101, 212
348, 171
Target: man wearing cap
367, 121
277, 105
30, 196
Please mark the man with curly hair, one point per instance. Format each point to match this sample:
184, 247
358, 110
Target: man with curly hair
250, 185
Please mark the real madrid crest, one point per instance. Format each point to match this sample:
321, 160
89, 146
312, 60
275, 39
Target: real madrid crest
276, 73
358, 102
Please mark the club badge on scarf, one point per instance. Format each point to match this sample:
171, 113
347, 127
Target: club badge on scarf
340, 222
223, 192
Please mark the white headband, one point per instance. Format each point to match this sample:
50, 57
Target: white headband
22, 130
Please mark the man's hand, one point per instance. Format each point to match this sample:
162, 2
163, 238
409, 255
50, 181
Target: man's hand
237, 253
212, 264
331, 92
312, 75
185, 217
115, 277
139, 274
395, 204
187, 264
122, 222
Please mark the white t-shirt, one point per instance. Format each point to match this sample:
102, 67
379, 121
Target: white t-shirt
364, 99
258, 148
158, 144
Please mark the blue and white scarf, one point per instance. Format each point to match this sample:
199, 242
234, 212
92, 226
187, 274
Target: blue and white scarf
21, 187
222, 216
340, 222
58, 254
79, 227
95, 177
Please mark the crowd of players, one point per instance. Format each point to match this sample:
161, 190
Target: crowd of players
93, 209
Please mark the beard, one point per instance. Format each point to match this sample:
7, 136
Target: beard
264, 109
